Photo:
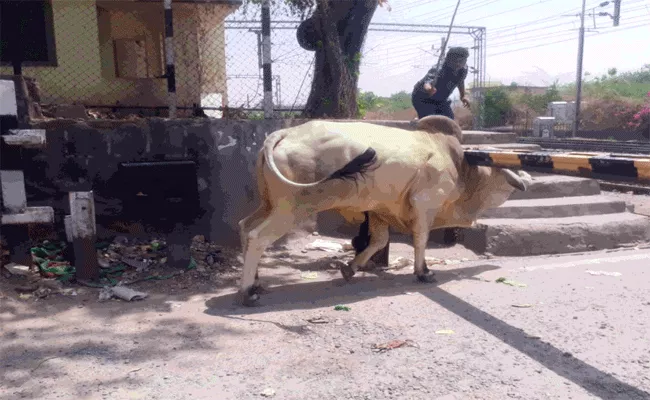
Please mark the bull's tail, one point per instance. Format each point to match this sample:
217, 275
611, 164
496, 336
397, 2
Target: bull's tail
353, 170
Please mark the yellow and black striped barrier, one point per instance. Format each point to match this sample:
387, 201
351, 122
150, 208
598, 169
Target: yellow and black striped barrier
606, 166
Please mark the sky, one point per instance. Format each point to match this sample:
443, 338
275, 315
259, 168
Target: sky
521, 46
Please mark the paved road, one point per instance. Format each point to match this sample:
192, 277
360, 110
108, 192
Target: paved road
568, 334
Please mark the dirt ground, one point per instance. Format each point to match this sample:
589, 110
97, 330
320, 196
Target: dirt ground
564, 335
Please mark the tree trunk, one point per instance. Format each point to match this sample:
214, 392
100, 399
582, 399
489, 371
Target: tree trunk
336, 33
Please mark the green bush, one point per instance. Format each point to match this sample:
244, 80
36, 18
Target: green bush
497, 106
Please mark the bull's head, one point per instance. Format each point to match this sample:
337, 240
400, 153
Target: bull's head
481, 188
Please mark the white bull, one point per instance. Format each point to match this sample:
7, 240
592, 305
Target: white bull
414, 181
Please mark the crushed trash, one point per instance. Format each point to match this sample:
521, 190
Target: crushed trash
325, 245
445, 332
49, 259
268, 392
510, 282
121, 292
309, 275
392, 345
400, 262
341, 308
605, 273
16, 269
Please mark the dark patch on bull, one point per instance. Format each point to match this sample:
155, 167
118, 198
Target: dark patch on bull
362, 240
357, 167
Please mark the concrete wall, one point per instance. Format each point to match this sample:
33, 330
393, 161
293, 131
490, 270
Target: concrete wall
84, 155
84, 33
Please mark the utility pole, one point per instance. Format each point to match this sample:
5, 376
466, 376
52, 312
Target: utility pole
581, 48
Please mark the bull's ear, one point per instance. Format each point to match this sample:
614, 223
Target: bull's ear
514, 180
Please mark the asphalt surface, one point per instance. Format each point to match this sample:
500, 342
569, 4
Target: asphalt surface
578, 329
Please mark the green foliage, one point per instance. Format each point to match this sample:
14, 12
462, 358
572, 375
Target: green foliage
368, 101
632, 85
539, 102
497, 106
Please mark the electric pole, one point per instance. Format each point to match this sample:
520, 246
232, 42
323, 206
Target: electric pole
581, 45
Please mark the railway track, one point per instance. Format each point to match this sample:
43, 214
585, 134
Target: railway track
589, 145
610, 186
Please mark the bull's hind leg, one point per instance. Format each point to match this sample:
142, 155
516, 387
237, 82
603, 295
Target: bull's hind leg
379, 236
248, 223
273, 227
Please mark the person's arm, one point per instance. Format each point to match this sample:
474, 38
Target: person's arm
428, 81
430, 76
461, 90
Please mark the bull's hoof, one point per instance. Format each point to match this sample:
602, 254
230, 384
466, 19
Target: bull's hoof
427, 277
248, 298
259, 289
347, 271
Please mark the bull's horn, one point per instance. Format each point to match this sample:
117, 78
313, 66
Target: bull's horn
514, 180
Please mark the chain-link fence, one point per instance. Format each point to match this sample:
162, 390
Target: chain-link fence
112, 56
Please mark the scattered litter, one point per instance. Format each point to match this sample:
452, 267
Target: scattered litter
400, 262
510, 282
42, 292
25, 296
139, 265
318, 320
121, 292
324, 245
410, 293
522, 305
605, 273
16, 269
342, 308
268, 392
309, 275
103, 262
393, 344
315, 233
445, 332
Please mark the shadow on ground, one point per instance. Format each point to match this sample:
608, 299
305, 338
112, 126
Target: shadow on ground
330, 293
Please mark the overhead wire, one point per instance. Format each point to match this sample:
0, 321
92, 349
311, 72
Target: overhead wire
643, 25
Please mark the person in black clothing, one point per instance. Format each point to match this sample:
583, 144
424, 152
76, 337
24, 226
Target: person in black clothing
430, 100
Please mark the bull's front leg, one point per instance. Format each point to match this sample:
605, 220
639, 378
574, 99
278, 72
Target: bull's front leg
425, 209
420, 269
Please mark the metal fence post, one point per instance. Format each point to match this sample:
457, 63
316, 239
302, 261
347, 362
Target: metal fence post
266, 59
170, 72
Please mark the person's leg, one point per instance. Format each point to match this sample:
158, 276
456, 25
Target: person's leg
423, 109
445, 109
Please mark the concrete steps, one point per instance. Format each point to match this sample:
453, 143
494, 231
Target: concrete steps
548, 186
557, 207
538, 236
558, 214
